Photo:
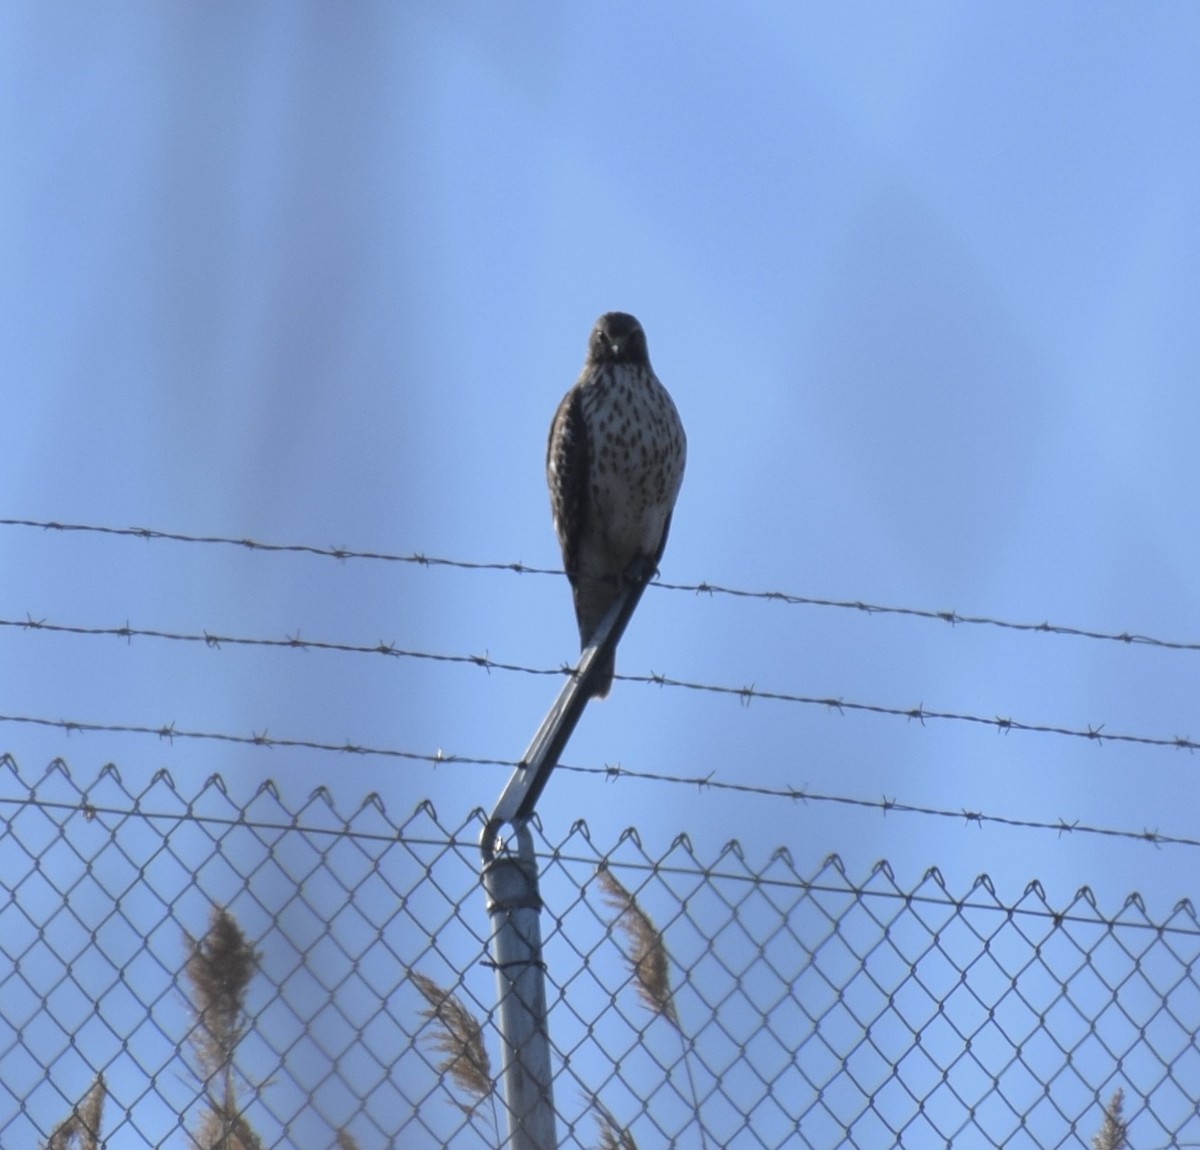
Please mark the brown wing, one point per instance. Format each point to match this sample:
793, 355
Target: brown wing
662, 546
567, 475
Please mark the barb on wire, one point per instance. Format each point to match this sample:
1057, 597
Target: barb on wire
744, 694
885, 805
954, 618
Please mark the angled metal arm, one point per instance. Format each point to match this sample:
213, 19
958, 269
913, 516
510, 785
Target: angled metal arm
519, 797
510, 879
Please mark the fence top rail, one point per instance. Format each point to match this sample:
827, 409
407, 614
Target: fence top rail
110, 800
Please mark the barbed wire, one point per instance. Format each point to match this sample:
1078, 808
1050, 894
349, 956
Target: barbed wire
954, 618
744, 694
170, 732
921, 713
340, 553
293, 642
616, 772
887, 805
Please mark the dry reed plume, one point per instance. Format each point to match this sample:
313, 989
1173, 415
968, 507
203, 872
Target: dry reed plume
458, 1036
219, 968
81, 1131
652, 977
647, 950
1112, 1132
613, 1136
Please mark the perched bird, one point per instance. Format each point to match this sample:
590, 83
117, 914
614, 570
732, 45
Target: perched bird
614, 464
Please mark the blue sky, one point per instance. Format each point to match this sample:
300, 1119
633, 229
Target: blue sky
923, 282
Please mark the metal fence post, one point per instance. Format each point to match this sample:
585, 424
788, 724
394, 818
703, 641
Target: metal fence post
514, 905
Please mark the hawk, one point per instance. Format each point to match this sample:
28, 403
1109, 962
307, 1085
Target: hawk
614, 464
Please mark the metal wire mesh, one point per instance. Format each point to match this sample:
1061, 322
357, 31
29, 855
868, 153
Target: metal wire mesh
813, 1010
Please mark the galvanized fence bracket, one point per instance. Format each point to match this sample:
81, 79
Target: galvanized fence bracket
514, 903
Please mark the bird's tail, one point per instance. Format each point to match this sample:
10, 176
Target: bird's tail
602, 683
593, 598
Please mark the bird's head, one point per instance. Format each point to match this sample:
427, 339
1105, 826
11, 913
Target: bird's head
618, 338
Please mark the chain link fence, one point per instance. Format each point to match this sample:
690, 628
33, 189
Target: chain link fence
795, 1009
